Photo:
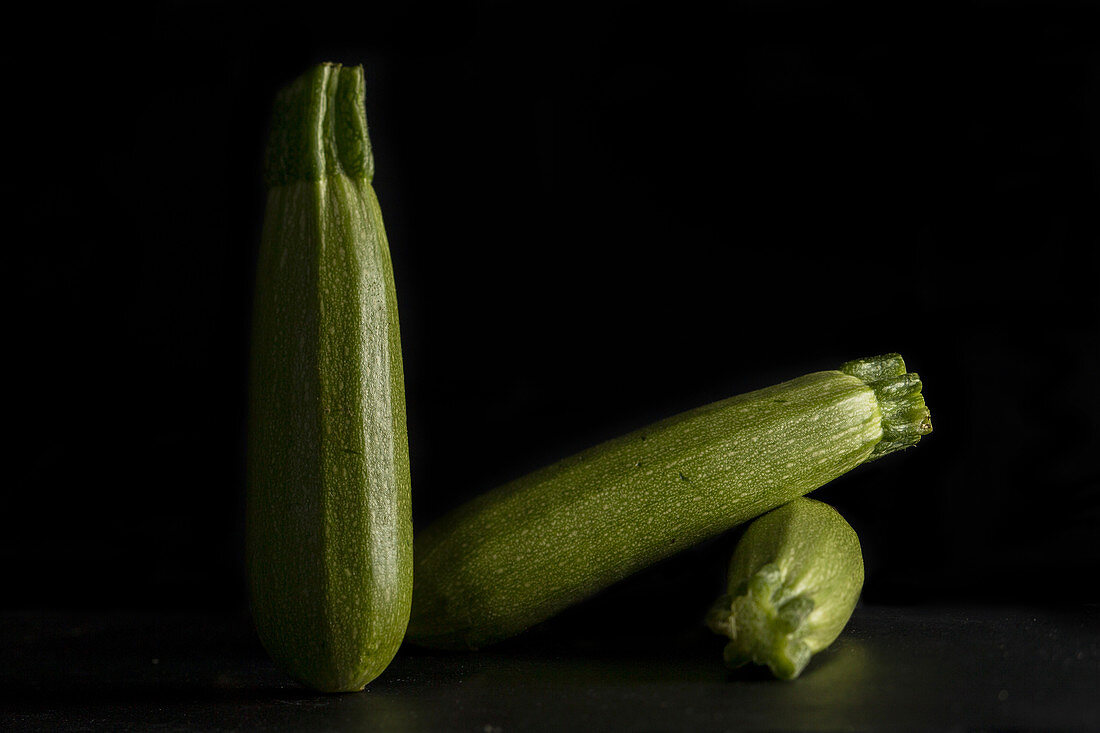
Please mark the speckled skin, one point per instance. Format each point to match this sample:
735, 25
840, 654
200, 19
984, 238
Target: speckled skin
329, 530
793, 583
517, 555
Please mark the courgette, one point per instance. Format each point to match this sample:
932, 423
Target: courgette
793, 583
520, 553
329, 527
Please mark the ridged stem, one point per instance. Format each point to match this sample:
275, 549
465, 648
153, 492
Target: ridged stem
905, 417
764, 627
319, 128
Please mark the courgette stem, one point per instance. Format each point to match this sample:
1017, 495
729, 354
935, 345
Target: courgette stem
520, 553
905, 417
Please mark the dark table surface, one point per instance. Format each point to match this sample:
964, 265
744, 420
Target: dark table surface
939, 668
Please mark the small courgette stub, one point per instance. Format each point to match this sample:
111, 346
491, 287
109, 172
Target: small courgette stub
793, 583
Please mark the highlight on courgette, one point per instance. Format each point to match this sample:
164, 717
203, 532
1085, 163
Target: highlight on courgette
793, 583
329, 527
518, 554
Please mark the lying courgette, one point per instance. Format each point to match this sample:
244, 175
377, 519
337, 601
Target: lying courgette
793, 583
518, 554
329, 529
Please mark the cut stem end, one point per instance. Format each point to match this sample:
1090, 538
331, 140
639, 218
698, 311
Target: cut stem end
905, 417
763, 630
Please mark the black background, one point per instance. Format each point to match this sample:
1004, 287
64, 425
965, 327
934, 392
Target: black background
599, 215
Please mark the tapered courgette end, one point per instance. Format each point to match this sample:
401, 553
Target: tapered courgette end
793, 583
905, 417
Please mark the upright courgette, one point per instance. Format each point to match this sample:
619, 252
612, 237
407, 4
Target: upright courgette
329, 530
793, 583
518, 554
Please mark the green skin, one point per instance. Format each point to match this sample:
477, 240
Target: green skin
794, 581
519, 554
329, 527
